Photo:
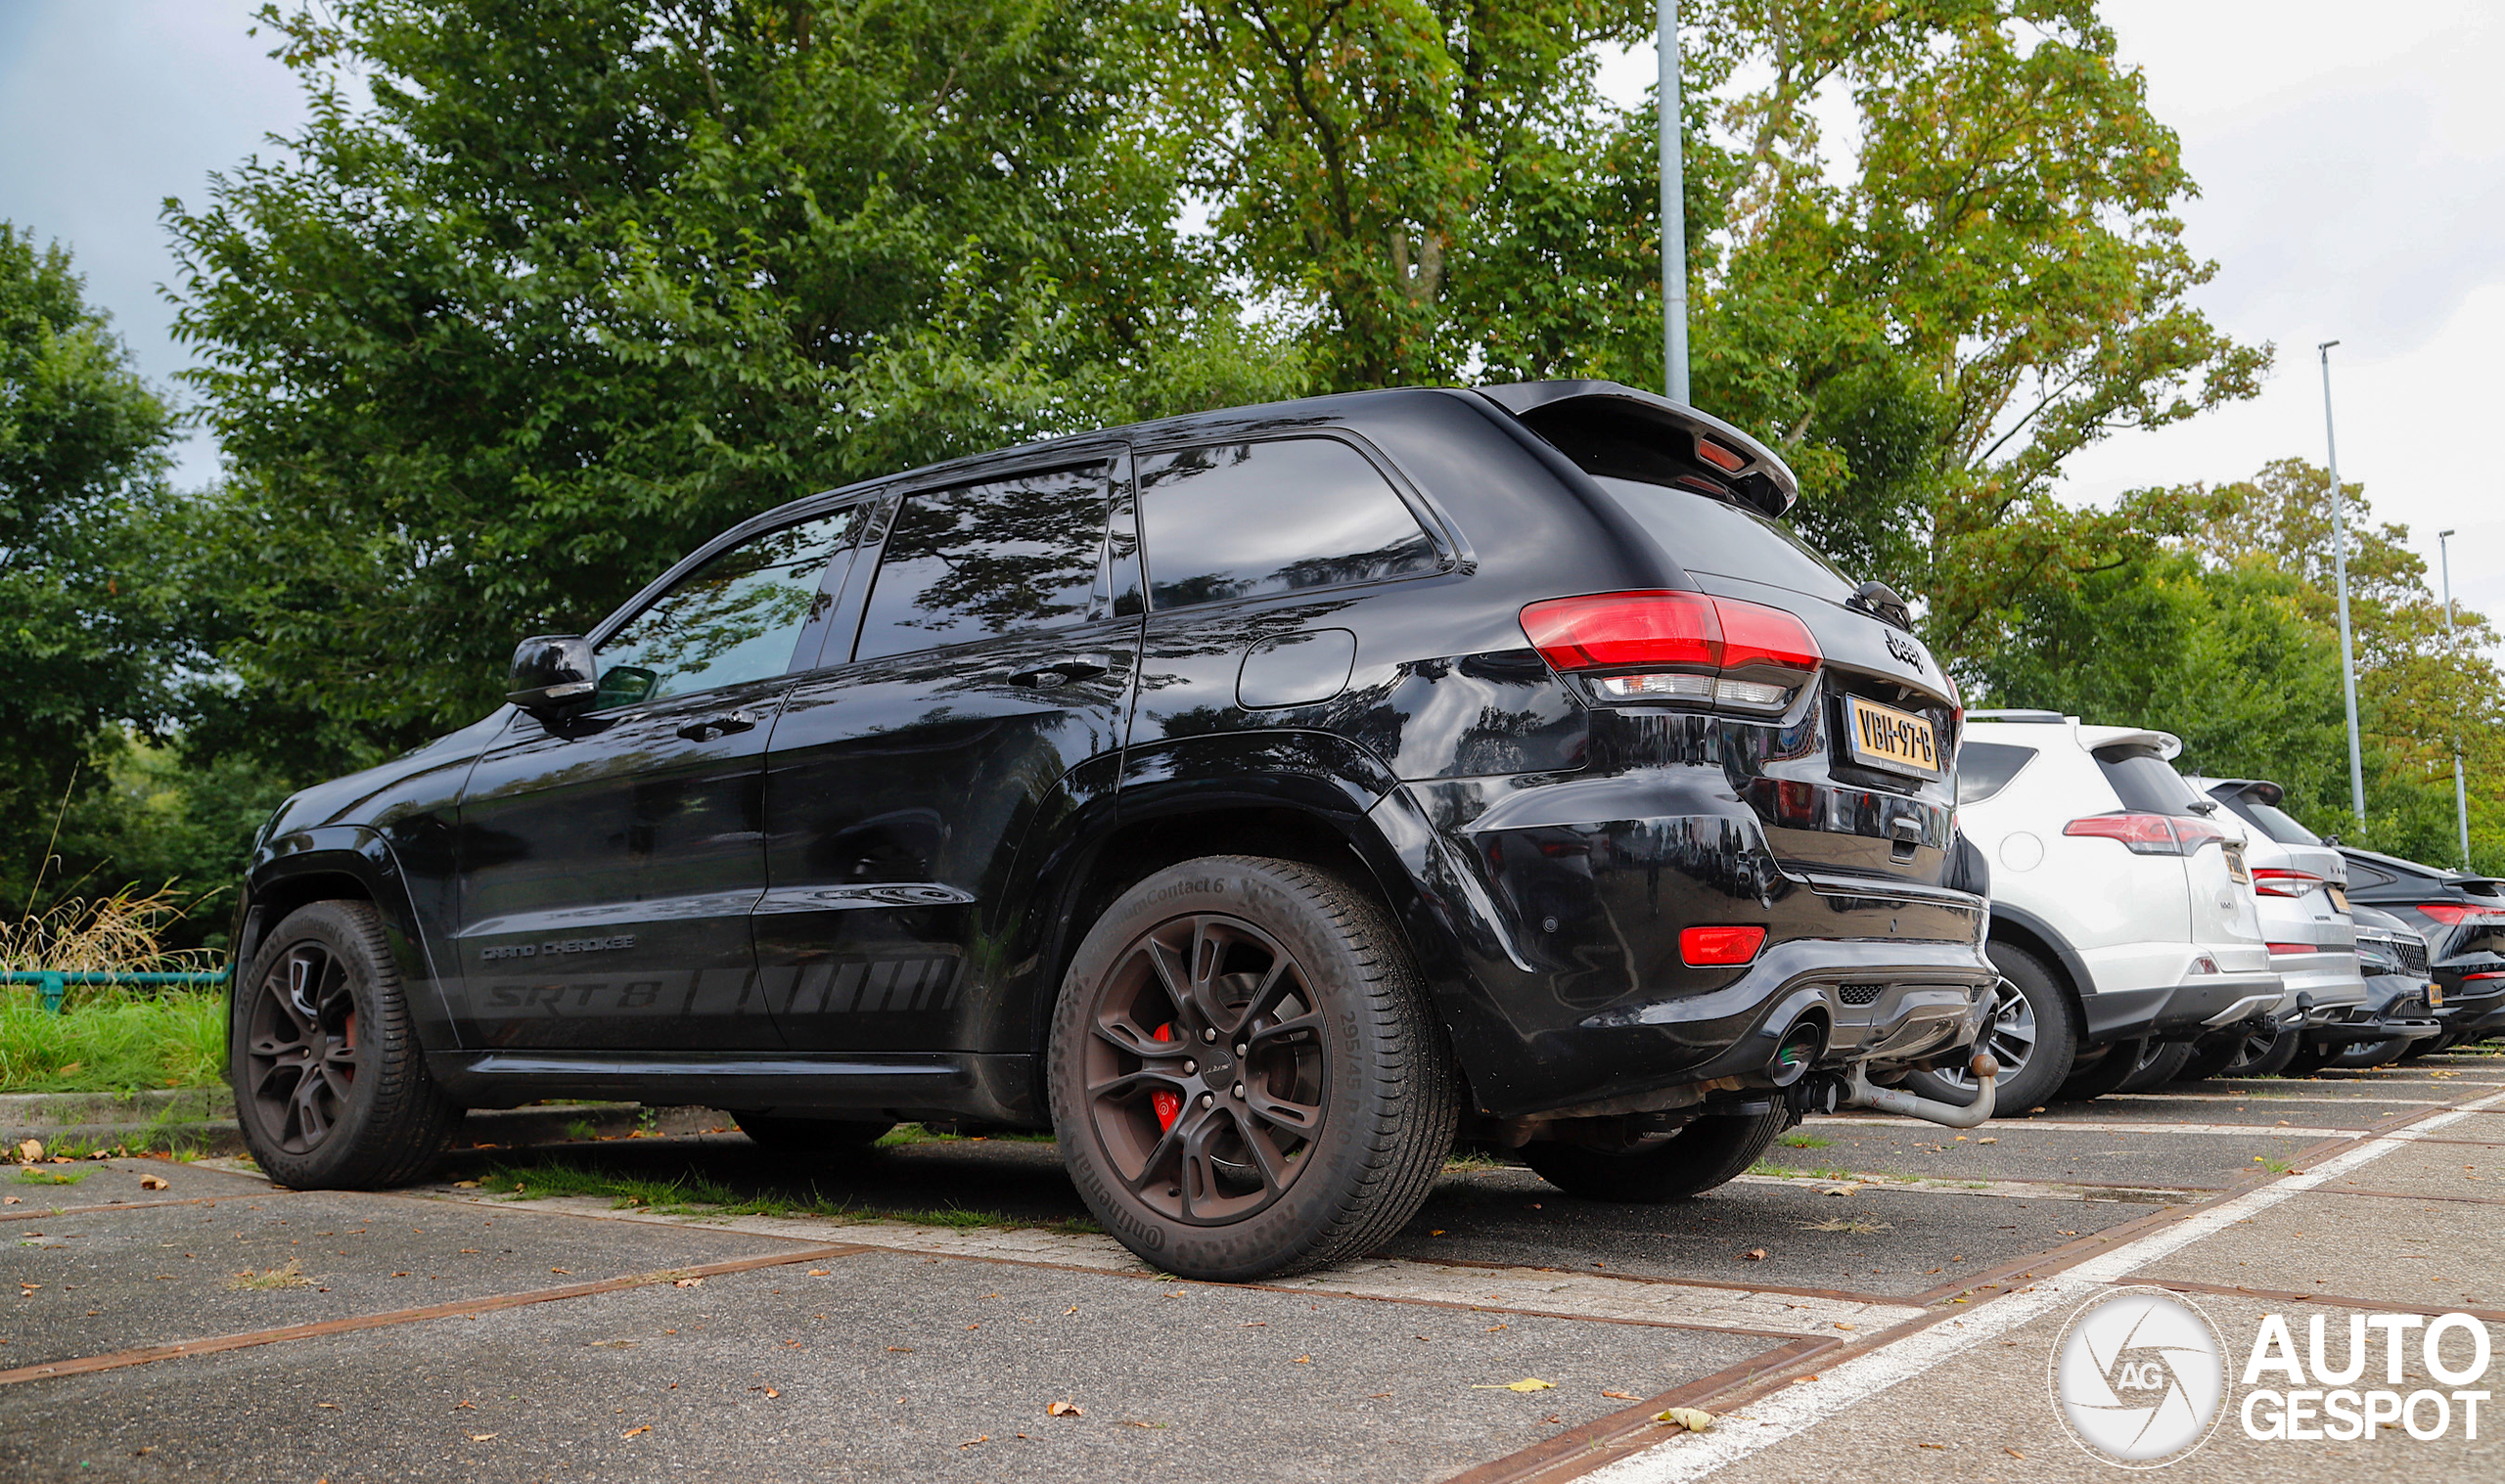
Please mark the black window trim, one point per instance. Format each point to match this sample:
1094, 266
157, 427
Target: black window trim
1453, 553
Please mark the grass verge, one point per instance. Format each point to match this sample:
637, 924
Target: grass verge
110, 1041
692, 1194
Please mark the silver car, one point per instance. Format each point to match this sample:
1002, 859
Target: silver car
2302, 886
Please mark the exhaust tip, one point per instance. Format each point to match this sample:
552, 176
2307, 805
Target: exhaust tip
1796, 1052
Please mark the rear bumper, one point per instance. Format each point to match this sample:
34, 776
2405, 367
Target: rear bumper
2180, 1012
2358, 1024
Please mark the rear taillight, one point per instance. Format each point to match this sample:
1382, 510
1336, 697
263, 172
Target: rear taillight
2272, 881
1710, 947
2466, 978
2149, 834
1676, 647
2278, 947
2455, 913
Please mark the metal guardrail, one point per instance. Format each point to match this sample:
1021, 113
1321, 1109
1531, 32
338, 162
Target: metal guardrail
55, 982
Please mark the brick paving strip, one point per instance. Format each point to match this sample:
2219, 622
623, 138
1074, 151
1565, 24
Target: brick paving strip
146, 1354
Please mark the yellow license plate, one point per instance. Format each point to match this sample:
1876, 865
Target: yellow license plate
1882, 737
2338, 896
2434, 995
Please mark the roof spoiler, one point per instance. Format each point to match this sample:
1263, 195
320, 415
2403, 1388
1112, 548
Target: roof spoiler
1754, 472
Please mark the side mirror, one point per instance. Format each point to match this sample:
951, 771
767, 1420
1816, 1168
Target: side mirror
552, 674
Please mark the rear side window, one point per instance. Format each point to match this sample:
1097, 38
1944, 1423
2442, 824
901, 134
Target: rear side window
966, 564
1706, 534
2144, 782
1983, 769
2274, 822
1252, 520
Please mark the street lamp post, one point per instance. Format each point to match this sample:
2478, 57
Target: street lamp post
2339, 572
1673, 213
2461, 798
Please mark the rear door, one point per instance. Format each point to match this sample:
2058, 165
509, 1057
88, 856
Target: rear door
609, 862
985, 692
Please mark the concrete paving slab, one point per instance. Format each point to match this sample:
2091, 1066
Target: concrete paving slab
89, 1284
2362, 1247
1879, 1240
1989, 1416
881, 1370
2431, 1168
2117, 1153
30, 1190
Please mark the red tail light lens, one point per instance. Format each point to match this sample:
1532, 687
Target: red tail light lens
2455, 913
2272, 881
1676, 647
2149, 834
2278, 948
1711, 947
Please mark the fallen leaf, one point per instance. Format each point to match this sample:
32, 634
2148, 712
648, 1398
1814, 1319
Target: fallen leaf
1305, 1360
151, 1182
1992, 1139
1844, 1190
1753, 1255
8, 1201
633, 1432
1250, 1324
560, 1272
1526, 1383
1931, 1445
2013, 1453
465, 1406
331, 1406
29, 1150
899, 1350
1841, 1325
1618, 1396
971, 1442
818, 1273
771, 1392
1554, 1419
1065, 1409
1437, 1231
973, 1327
481, 1437
689, 1282
1688, 1417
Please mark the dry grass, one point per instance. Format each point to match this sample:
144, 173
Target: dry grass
122, 932
287, 1275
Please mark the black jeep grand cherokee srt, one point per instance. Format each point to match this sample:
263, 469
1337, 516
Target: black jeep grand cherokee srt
1258, 799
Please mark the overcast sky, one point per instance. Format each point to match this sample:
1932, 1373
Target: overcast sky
2351, 162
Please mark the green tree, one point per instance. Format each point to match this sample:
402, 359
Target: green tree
588, 281
88, 616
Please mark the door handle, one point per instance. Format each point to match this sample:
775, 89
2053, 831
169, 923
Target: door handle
1062, 671
717, 726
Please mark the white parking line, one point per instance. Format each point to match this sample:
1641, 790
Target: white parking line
1773, 1419
2111, 1126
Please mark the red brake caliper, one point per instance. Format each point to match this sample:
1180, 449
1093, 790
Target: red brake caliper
1168, 1102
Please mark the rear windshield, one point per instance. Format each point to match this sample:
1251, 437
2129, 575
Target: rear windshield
1983, 769
2144, 782
1704, 535
2272, 820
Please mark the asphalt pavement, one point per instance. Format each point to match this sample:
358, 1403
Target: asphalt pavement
1879, 1298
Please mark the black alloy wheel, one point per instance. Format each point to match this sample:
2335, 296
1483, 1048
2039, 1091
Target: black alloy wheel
1207, 1078
330, 1081
300, 1054
1246, 1079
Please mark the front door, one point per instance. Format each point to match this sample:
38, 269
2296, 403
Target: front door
989, 676
610, 861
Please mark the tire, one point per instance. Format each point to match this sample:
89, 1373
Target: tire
2256, 1057
802, 1134
2210, 1056
2161, 1063
1327, 1101
2033, 1033
323, 995
2312, 1057
1709, 1152
2107, 1073
2426, 1047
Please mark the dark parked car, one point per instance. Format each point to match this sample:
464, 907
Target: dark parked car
2462, 919
2395, 1016
1258, 799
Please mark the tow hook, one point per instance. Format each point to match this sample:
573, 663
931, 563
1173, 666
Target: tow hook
1858, 1093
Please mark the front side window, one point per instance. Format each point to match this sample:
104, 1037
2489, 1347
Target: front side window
967, 564
1252, 520
733, 620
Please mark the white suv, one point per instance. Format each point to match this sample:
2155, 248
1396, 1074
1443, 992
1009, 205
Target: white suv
2122, 914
